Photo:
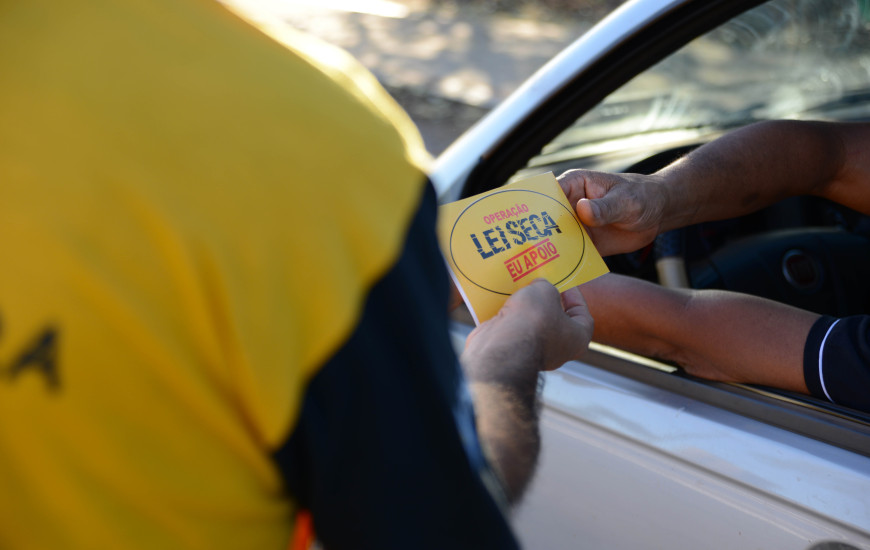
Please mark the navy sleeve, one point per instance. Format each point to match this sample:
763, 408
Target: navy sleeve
385, 454
837, 361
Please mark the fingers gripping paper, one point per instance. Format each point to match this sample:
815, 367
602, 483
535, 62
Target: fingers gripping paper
498, 242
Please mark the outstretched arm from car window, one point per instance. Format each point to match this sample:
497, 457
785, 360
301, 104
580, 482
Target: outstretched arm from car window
536, 330
736, 174
719, 335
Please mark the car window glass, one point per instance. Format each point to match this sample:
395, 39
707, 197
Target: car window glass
783, 59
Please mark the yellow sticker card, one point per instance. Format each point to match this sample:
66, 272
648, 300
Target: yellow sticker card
498, 242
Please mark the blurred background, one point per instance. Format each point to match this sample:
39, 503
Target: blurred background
447, 62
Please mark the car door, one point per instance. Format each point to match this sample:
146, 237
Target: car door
635, 453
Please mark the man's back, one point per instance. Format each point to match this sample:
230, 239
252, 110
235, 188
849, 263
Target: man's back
177, 193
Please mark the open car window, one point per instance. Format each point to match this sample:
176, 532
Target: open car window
798, 59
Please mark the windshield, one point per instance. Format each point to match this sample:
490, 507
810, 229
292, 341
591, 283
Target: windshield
783, 59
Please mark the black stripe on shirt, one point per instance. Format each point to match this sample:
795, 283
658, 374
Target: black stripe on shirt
837, 361
377, 455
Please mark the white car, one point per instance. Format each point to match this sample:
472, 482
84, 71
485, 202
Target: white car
637, 455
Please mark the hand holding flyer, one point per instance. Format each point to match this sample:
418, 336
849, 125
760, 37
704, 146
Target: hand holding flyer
497, 242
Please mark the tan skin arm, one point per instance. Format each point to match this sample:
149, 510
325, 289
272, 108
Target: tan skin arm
535, 330
734, 175
724, 336
717, 335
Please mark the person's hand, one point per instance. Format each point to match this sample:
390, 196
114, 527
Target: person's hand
536, 329
621, 212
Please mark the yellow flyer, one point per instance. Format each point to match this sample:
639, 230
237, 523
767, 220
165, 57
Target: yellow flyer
498, 242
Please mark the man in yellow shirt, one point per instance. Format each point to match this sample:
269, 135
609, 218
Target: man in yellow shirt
222, 299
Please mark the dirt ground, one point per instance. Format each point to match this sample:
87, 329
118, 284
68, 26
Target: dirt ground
442, 120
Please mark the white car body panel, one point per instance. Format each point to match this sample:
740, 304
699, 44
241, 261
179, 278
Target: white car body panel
628, 466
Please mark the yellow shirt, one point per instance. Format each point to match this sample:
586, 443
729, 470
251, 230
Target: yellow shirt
190, 217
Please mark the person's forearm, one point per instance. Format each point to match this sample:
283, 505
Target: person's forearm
537, 329
507, 425
505, 403
631, 314
760, 164
718, 335
744, 338
851, 187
